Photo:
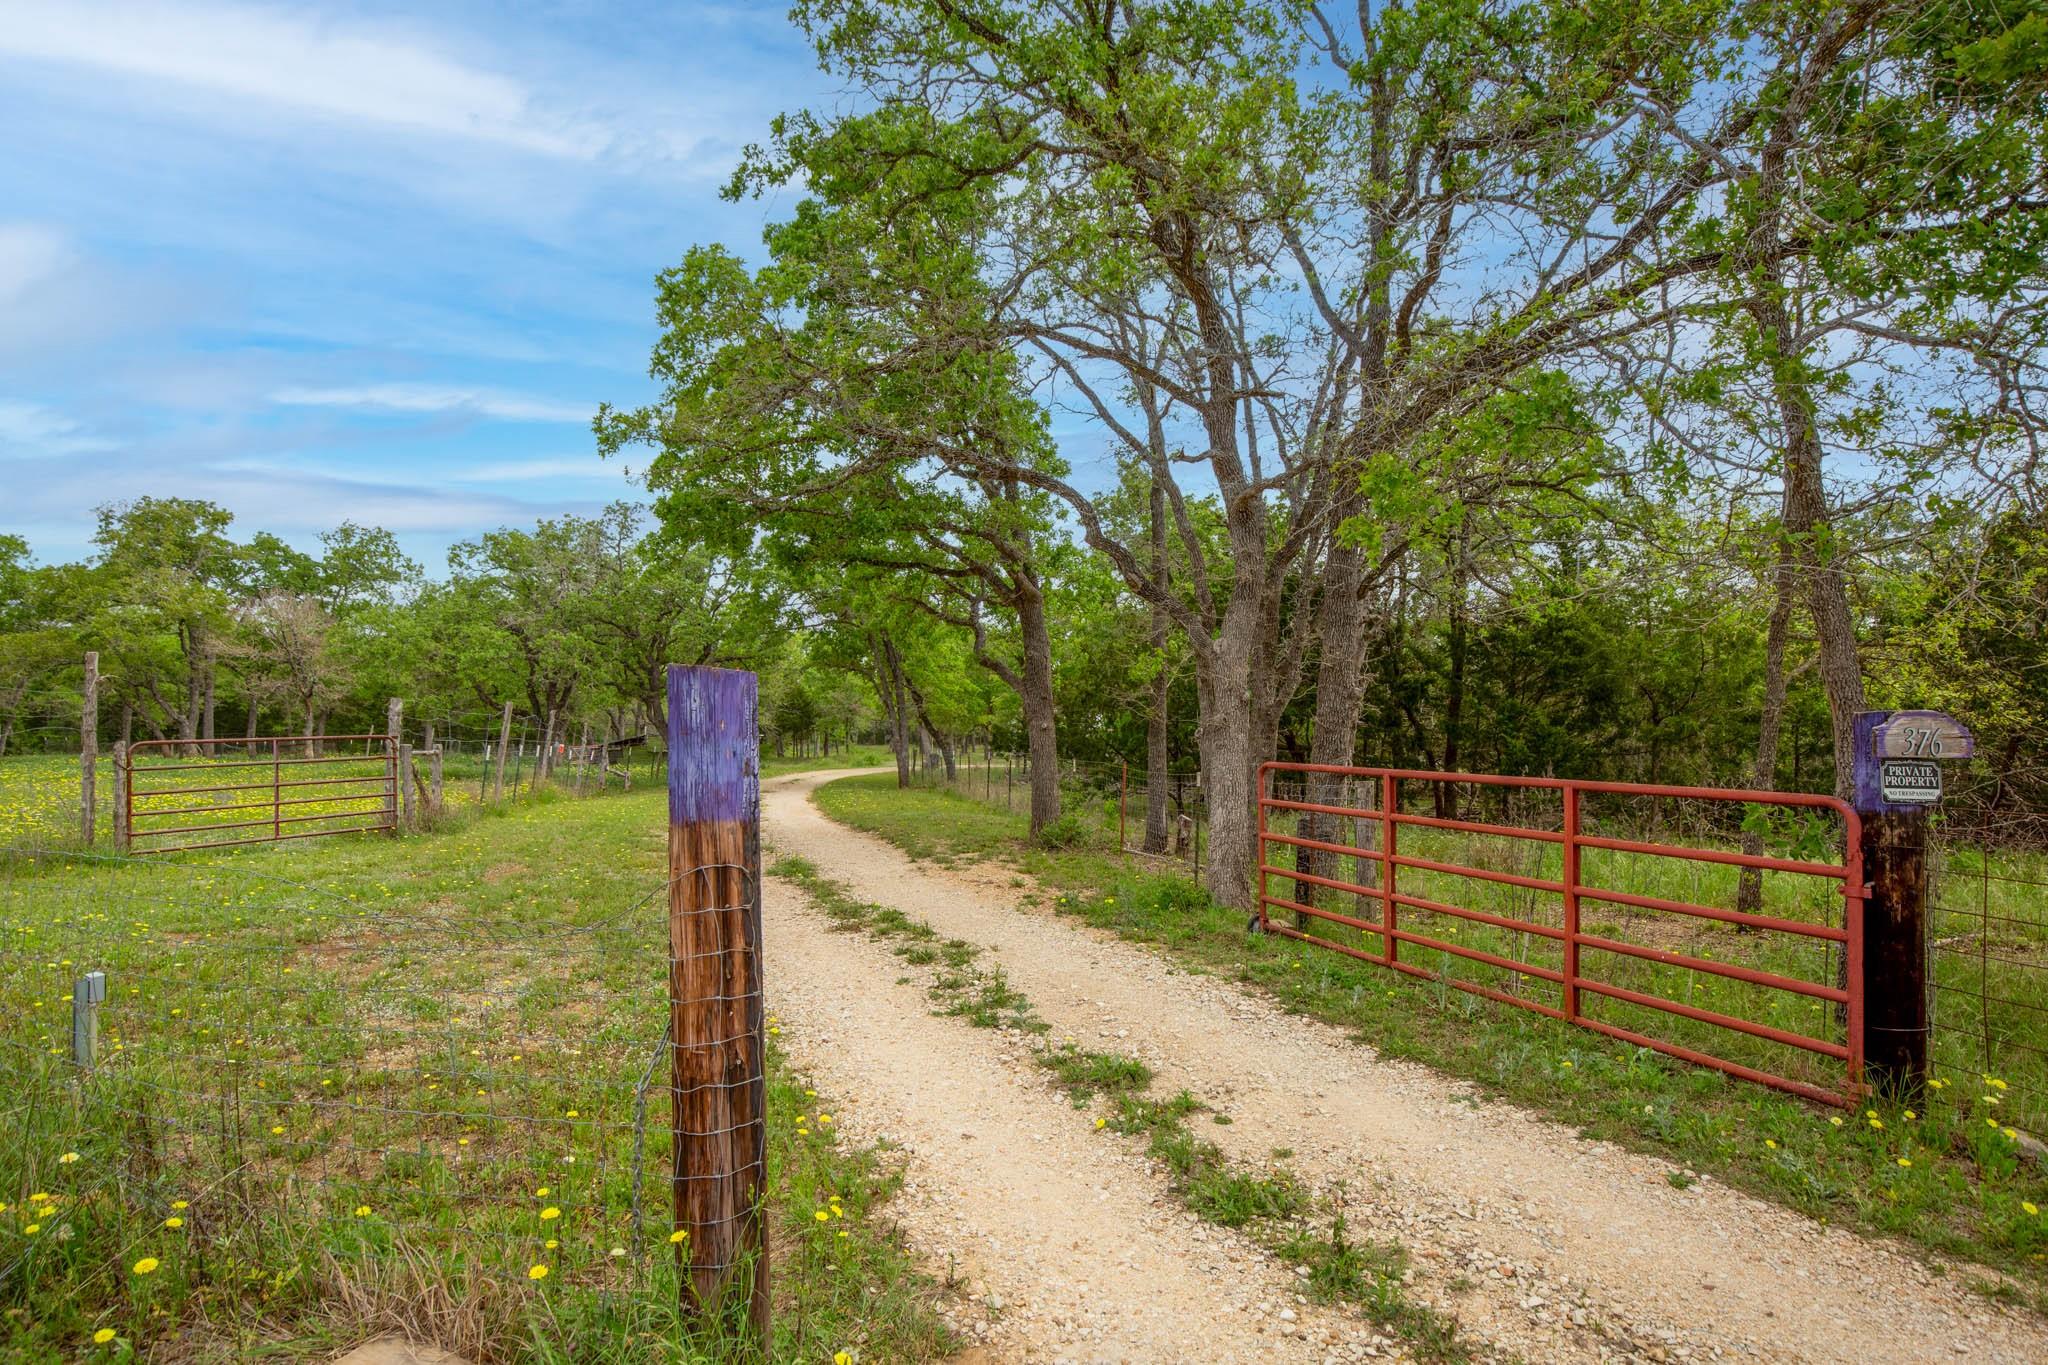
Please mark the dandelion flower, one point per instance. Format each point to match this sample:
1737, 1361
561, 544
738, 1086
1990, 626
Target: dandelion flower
679, 1235
539, 1272
1100, 1122
181, 1204
174, 1222
1836, 1120
821, 1215
362, 1210
542, 1192
276, 1129
549, 1214
1771, 1143
1911, 1115
551, 1243
841, 1358
2012, 1133
1877, 1124
1905, 1161
32, 1229
146, 1266
103, 1336
2030, 1207
67, 1158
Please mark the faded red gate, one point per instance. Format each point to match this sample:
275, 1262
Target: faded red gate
1576, 913
356, 793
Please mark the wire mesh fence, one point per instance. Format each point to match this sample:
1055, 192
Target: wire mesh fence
479, 760
1987, 929
1110, 802
235, 1098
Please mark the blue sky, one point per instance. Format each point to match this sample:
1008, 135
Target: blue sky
353, 261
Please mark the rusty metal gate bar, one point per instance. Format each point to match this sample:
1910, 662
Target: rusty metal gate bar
1571, 889
385, 793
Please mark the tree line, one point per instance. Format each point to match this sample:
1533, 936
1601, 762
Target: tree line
1611, 389
1612, 385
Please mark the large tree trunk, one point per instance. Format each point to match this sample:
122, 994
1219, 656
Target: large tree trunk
894, 706
1157, 757
1749, 891
1224, 686
1806, 521
206, 706
1041, 733
1454, 693
188, 722
1340, 692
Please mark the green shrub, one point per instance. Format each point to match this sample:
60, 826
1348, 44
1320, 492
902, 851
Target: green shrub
1065, 832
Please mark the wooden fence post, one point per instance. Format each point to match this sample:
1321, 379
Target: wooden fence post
544, 761
405, 806
1898, 781
434, 801
120, 796
718, 1042
89, 749
504, 743
394, 719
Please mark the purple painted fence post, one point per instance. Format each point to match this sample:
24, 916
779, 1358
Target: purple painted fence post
718, 1042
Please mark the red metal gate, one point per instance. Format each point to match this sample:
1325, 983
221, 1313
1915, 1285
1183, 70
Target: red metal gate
358, 791
1539, 852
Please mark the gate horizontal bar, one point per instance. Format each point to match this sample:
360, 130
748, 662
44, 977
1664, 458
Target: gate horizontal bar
1752, 975
1727, 1021
246, 824
1735, 1069
238, 843
1788, 926
1713, 855
255, 763
225, 740
270, 805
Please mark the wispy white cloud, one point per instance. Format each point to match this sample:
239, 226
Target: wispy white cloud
30, 253
436, 398
526, 471
31, 429
292, 60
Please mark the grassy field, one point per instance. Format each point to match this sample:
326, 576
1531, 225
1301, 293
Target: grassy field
1944, 1173
361, 1083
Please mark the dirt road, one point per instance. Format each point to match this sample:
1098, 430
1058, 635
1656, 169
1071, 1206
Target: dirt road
1545, 1245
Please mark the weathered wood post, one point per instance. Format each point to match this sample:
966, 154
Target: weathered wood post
1898, 780
434, 775
121, 796
405, 777
394, 718
719, 1102
89, 749
544, 762
504, 743
582, 757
